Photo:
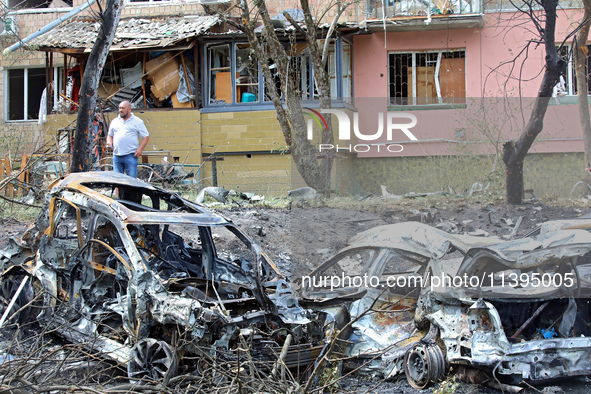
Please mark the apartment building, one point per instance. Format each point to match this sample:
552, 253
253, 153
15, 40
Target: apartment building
457, 66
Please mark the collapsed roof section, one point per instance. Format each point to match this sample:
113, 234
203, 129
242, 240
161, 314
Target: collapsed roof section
78, 36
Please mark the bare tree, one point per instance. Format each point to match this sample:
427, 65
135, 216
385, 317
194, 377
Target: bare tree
514, 152
273, 52
581, 55
90, 81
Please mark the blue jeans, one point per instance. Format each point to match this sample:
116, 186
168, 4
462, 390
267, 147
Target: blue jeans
126, 164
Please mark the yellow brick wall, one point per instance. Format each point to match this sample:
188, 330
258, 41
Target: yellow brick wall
20, 137
224, 132
178, 131
267, 174
54, 124
241, 131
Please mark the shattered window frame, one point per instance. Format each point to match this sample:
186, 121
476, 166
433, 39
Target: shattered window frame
25, 90
567, 84
21, 97
142, 2
404, 68
339, 67
27, 6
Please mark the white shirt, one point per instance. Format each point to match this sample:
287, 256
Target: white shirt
125, 134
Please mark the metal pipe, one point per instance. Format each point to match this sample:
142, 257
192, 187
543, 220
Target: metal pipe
48, 27
528, 321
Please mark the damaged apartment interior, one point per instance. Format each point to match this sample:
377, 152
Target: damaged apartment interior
168, 63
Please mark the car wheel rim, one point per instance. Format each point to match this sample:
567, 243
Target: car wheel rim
424, 364
153, 361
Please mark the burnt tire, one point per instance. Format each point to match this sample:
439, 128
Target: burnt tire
152, 361
24, 309
424, 364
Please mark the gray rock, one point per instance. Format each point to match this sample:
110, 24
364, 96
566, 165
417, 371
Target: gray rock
218, 193
303, 193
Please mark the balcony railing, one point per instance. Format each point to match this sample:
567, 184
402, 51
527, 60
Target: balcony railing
410, 8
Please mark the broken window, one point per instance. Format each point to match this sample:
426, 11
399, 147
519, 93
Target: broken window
345, 270
399, 8
171, 250
22, 4
235, 75
150, 79
247, 74
105, 257
70, 222
220, 87
300, 71
69, 231
338, 68
244, 83
24, 90
567, 84
426, 78
345, 76
397, 263
229, 247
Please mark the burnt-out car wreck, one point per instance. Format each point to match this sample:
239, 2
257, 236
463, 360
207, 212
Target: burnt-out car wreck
498, 312
150, 280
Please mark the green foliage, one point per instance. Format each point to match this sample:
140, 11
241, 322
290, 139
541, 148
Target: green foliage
282, 149
17, 212
448, 386
330, 376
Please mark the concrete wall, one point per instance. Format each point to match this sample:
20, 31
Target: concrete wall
549, 174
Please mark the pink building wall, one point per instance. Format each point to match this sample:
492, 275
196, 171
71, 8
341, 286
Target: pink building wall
493, 111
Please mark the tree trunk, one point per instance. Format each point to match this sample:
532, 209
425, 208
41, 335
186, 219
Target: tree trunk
88, 88
514, 152
269, 49
581, 54
319, 60
513, 175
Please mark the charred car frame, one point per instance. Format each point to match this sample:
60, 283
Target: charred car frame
150, 280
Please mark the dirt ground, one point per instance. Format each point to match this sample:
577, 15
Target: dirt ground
298, 239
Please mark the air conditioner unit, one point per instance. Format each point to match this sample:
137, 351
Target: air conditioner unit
8, 25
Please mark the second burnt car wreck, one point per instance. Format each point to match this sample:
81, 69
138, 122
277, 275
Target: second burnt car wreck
498, 312
151, 281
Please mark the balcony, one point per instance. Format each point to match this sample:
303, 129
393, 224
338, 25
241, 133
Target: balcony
400, 15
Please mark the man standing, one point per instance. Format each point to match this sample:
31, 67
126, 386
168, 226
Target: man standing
123, 138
